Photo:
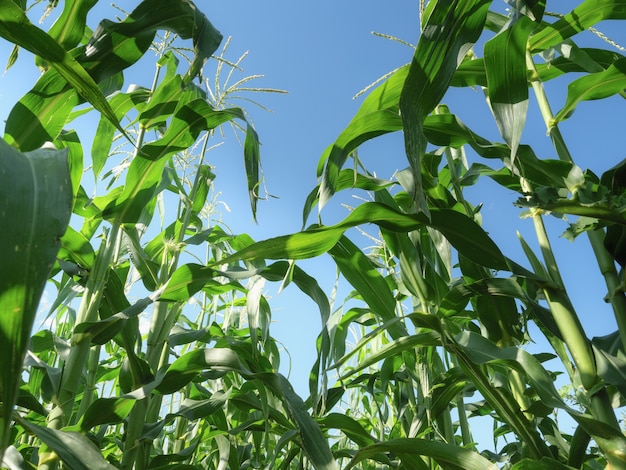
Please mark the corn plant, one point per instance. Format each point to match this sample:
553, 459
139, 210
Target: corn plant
153, 353
435, 332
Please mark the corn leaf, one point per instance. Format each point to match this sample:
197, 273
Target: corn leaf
16, 27
74, 449
585, 15
377, 115
35, 208
594, 86
447, 455
450, 31
505, 66
460, 230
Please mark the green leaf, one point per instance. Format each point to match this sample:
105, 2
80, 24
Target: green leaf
186, 281
121, 103
594, 86
462, 232
377, 115
69, 27
74, 449
106, 411
505, 65
16, 27
349, 426
447, 455
585, 15
450, 31
35, 208
115, 46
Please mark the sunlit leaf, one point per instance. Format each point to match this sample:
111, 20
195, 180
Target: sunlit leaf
505, 65
447, 455
16, 27
586, 14
450, 31
593, 87
461, 231
74, 449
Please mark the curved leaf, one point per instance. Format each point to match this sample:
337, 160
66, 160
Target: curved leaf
594, 86
447, 455
450, 31
35, 208
505, 65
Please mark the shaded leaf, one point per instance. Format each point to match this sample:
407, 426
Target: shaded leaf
74, 449
35, 208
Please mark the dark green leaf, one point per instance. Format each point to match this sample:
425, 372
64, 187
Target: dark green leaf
74, 449
35, 208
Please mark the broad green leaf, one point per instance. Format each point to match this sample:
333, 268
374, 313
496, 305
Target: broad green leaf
69, 27
462, 232
377, 115
505, 65
361, 273
106, 411
349, 426
121, 103
169, 96
447, 455
594, 86
70, 141
35, 208
16, 27
252, 159
585, 15
74, 449
450, 31
205, 179
186, 281
184, 369
115, 46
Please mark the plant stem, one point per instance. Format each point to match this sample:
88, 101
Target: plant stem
564, 314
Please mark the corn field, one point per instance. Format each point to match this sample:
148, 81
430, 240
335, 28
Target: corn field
157, 351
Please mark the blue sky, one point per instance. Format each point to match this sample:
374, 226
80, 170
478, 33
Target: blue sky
323, 53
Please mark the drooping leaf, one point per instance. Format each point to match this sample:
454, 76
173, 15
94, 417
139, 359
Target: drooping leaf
106, 411
447, 455
17, 28
586, 14
74, 449
594, 86
35, 208
505, 66
377, 115
451, 28
461, 231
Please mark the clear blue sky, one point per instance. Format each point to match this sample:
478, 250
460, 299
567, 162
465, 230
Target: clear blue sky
323, 53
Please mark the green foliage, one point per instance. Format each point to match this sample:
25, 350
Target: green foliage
435, 334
